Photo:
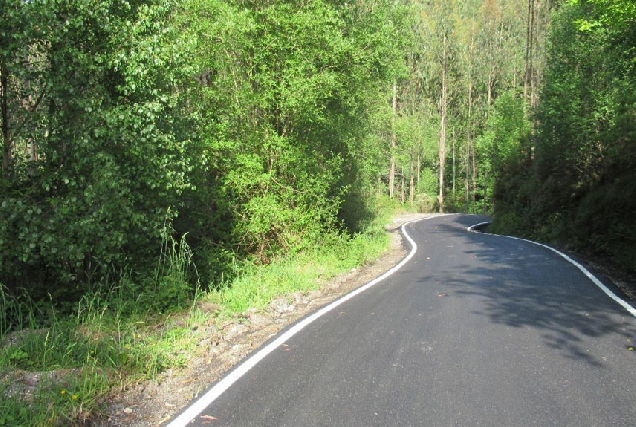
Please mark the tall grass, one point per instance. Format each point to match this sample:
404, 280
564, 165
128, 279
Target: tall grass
77, 361
117, 335
56, 369
257, 286
19, 312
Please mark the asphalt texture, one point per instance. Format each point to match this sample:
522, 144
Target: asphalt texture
475, 330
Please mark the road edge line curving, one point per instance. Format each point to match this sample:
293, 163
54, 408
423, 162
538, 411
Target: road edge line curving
585, 271
199, 405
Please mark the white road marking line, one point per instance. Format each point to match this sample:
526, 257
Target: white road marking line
211, 395
584, 270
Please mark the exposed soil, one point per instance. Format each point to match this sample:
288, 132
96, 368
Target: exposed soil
152, 403
220, 347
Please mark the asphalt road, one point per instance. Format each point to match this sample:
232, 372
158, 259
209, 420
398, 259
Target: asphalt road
474, 330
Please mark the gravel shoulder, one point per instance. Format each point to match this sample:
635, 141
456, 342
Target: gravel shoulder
222, 346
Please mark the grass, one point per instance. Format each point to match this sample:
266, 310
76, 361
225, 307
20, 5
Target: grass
258, 286
64, 368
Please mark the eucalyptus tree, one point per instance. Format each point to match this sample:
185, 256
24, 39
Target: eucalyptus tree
436, 26
580, 187
464, 56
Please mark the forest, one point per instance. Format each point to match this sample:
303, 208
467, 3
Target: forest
154, 151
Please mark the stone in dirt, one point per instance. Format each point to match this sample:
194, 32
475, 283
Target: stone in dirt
220, 355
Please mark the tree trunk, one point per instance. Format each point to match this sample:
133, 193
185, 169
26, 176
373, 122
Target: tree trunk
469, 137
454, 170
489, 98
534, 78
474, 168
393, 144
485, 192
402, 188
442, 133
419, 168
467, 180
527, 81
7, 139
412, 180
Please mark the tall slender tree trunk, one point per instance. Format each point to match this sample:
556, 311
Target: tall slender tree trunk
442, 156
527, 81
393, 144
474, 169
485, 192
454, 170
7, 139
403, 188
467, 179
534, 79
442, 133
469, 137
419, 168
412, 179
489, 94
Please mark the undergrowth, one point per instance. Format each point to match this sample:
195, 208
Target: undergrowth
60, 369
257, 286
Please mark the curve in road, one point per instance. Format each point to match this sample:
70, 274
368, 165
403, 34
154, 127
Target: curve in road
476, 330
211, 395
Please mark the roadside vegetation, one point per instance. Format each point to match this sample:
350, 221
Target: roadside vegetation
60, 367
566, 175
161, 153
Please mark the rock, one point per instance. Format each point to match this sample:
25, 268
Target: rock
314, 295
258, 320
280, 305
239, 349
235, 330
205, 342
207, 306
218, 349
298, 297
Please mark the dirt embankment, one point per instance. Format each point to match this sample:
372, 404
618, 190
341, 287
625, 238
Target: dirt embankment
221, 346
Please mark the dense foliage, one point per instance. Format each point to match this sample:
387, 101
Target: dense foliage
581, 189
154, 148
127, 125
210, 132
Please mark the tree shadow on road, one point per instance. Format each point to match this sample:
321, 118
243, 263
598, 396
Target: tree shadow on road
527, 286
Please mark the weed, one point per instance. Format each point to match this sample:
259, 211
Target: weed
173, 273
16, 312
112, 337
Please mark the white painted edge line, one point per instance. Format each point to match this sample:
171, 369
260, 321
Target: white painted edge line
474, 226
584, 270
211, 395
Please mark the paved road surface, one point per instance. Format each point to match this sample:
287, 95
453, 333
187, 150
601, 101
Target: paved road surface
474, 330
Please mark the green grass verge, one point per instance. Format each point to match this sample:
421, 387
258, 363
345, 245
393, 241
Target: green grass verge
256, 287
61, 374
